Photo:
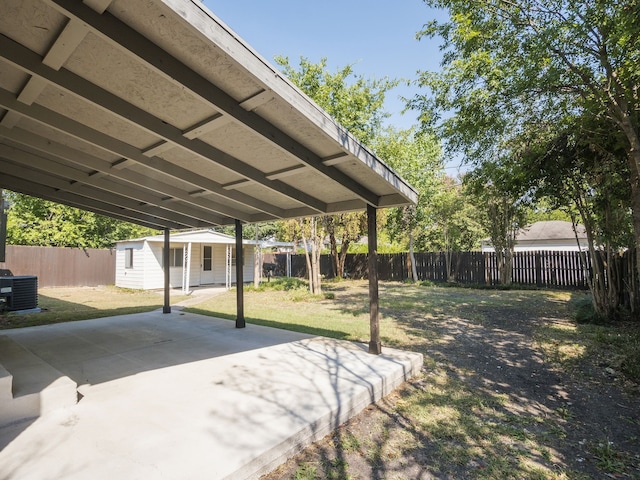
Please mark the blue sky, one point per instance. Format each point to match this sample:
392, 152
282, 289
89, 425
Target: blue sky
378, 36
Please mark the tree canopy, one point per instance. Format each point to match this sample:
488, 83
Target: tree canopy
509, 64
33, 221
523, 79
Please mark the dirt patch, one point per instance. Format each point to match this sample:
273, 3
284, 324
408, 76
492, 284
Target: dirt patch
491, 402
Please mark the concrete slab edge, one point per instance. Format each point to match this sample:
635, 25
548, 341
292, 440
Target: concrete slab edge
327, 423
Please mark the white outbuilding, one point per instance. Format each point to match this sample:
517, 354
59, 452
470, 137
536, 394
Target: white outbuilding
203, 257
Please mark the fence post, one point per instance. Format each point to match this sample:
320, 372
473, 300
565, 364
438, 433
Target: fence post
538, 269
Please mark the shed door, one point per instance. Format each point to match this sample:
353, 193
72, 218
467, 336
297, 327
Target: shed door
206, 276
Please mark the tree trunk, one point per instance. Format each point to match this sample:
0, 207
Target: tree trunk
505, 265
331, 230
508, 266
448, 256
447, 263
414, 270
342, 257
635, 216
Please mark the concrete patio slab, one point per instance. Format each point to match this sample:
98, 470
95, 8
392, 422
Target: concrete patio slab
183, 396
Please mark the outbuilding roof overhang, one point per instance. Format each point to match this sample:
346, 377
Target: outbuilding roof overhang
155, 112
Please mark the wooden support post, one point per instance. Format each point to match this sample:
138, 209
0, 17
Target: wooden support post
240, 323
165, 265
375, 347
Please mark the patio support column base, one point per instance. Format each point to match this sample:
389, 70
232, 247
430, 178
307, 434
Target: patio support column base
240, 323
375, 347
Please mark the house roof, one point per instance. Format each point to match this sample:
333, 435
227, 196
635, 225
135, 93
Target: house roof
550, 230
156, 112
200, 236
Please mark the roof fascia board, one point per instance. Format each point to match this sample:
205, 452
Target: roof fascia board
274, 81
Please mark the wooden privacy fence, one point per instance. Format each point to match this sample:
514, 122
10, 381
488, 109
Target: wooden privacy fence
545, 269
62, 267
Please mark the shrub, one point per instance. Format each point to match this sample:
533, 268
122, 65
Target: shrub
584, 312
281, 284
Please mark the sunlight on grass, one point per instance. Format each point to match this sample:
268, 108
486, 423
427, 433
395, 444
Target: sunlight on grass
438, 423
84, 303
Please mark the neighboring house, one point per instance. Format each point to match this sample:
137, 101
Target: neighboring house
196, 258
547, 235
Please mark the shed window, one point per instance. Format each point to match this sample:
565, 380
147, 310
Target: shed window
128, 258
176, 257
206, 258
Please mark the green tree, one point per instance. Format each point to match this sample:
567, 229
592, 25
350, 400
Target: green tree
418, 159
33, 221
309, 233
583, 169
343, 229
353, 101
357, 104
508, 65
453, 225
504, 205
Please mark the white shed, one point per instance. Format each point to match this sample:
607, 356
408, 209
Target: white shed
553, 235
203, 257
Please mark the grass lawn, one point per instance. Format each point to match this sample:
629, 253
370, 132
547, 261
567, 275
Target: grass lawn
83, 303
511, 386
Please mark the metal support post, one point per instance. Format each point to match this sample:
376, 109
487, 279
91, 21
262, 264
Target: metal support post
240, 323
375, 347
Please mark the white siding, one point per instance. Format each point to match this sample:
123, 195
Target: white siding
196, 265
154, 275
219, 263
147, 270
130, 277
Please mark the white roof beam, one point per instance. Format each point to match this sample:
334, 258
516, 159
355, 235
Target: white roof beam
33, 167
110, 29
287, 172
206, 126
28, 61
128, 152
139, 182
335, 159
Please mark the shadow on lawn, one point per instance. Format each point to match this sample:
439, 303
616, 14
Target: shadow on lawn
488, 403
55, 310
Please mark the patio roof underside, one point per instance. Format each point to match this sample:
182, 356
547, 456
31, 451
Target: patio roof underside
155, 112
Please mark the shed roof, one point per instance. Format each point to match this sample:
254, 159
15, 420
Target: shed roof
200, 236
550, 230
157, 113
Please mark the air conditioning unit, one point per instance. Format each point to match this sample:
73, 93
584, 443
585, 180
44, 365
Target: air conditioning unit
19, 293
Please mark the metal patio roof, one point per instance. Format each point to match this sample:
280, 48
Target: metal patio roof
155, 112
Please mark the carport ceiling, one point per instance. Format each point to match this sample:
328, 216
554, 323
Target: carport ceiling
155, 112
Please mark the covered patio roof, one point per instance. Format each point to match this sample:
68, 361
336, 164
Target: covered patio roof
155, 112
